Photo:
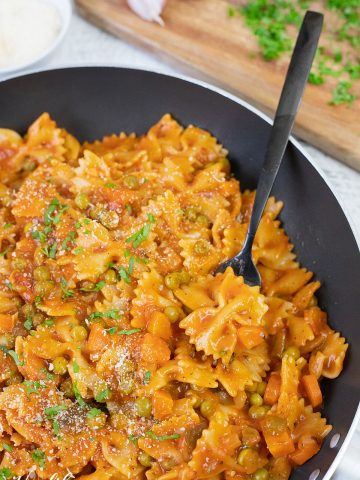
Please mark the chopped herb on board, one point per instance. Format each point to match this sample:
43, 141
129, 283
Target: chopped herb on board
272, 23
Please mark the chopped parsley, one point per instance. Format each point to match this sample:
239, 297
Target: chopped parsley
103, 395
12, 354
8, 225
110, 185
50, 252
271, 22
161, 438
39, 457
128, 208
7, 447
114, 314
342, 95
124, 274
54, 205
78, 250
94, 412
32, 386
112, 330
146, 378
143, 233
51, 412
78, 396
6, 473
76, 368
38, 235
48, 322
66, 293
28, 324
130, 332
68, 239
133, 438
96, 288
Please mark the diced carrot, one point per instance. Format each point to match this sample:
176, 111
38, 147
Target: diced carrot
162, 404
154, 349
97, 340
159, 325
7, 323
307, 448
250, 336
312, 389
279, 445
272, 391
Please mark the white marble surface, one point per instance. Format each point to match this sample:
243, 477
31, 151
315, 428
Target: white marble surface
85, 44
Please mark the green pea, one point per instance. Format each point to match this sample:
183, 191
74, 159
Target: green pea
184, 277
168, 463
110, 276
207, 408
19, 263
191, 214
172, 280
38, 319
144, 459
201, 247
28, 309
261, 474
60, 365
82, 201
67, 387
172, 314
143, 406
247, 456
29, 165
42, 273
292, 352
260, 389
203, 221
256, 399
275, 425
110, 219
256, 411
130, 181
79, 333
43, 288
97, 211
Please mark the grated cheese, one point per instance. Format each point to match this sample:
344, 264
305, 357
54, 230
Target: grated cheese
27, 29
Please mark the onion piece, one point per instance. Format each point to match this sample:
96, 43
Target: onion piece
149, 10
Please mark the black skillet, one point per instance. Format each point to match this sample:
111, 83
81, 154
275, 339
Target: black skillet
95, 101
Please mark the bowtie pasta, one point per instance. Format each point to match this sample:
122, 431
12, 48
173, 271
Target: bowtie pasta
123, 356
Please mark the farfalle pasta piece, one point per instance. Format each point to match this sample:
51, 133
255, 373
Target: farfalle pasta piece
151, 296
214, 329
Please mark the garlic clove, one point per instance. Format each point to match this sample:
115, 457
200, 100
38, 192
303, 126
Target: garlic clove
149, 10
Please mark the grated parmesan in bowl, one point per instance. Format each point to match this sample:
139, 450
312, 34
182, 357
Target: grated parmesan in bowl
30, 30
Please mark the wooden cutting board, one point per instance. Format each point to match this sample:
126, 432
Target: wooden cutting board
199, 37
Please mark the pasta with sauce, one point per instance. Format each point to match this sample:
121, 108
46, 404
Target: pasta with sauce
123, 356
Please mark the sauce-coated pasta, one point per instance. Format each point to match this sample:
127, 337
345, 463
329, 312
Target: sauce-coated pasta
122, 355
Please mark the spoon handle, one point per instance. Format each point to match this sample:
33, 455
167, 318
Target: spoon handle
291, 94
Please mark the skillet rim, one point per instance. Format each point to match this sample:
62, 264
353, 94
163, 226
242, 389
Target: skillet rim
243, 103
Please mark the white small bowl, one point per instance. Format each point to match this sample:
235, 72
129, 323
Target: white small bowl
64, 8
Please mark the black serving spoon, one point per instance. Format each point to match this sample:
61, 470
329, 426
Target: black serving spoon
291, 94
